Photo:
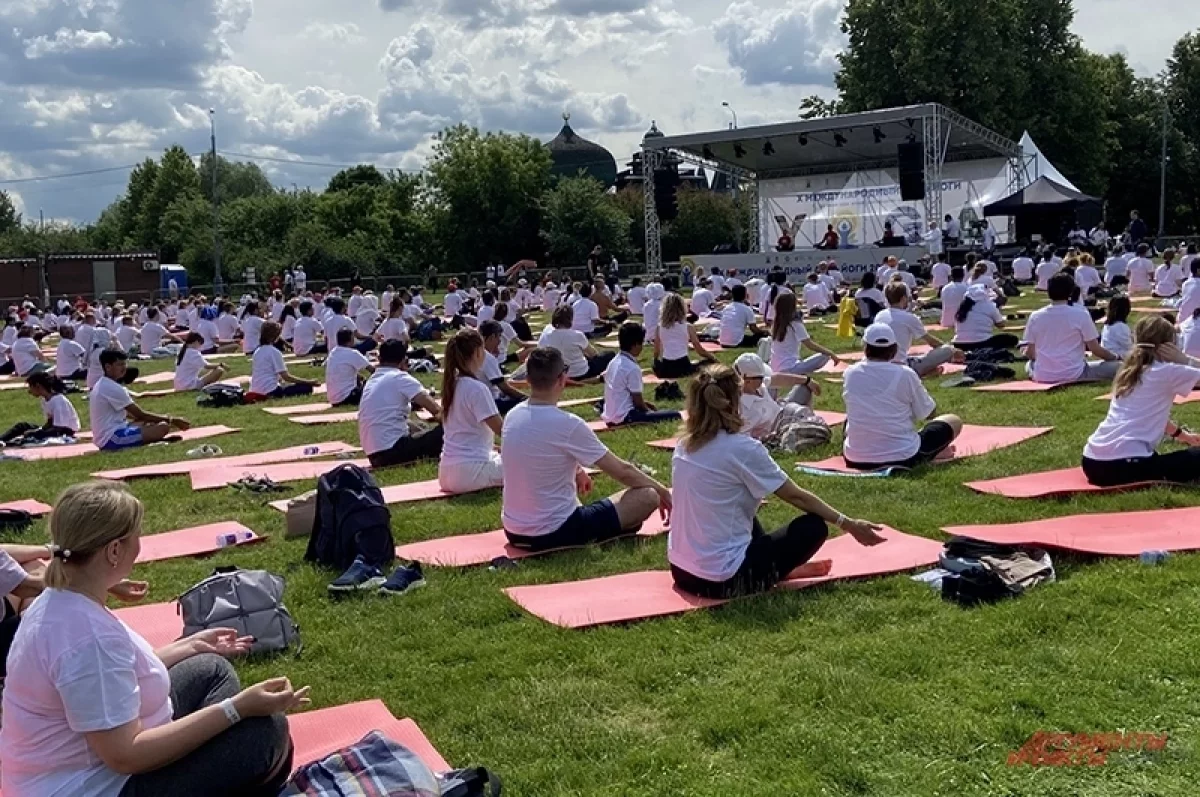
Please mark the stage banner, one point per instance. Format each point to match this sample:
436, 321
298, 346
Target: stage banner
858, 204
853, 263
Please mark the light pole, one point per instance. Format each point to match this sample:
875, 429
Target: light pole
730, 107
217, 281
1162, 179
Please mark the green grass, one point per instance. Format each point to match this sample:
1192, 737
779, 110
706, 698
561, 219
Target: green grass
857, 689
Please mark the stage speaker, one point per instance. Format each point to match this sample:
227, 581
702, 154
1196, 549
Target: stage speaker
912, 171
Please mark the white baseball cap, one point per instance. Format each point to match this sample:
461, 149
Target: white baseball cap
880, 335
751, 365
978, 293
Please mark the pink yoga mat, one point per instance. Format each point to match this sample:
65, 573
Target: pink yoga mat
170, 391
831, 418
213, 478
261, 458
82, 449
636, 596
1022, 386
1051, 484
1113, 534
398, 494
156, 379
479, 549
35, 508
158, 623
341, 417
298, 409
189, 542
974, 441
316, 734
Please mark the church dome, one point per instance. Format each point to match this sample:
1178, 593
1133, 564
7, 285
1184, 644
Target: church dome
572, 153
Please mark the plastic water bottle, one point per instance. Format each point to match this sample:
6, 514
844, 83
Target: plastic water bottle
312, 451
1154, 557
234, 538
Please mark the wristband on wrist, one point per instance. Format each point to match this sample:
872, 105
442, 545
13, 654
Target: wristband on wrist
231, 712
841, 519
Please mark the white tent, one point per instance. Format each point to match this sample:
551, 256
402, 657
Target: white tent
1042, 167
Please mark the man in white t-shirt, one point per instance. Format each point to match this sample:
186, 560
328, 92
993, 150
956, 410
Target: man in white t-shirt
25, 356
940, 273
342, 368
306, 331
545, 451
908, 328
1141, 271
703, 302
1045, 270
1189, 302
70, 359
252, 323
154, 333
736, 319
118, 423
636, 296
1023, 269
988, 234
1087, 277
337, 321
933, 240
817, 298
623, 384
387, 400
952, 295
1060, 336
1116, 269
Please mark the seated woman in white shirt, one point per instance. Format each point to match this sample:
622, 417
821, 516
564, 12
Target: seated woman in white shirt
516, 330
470, 419
1168, 277
192, 371
90, 708
675, 336
1116, 336
884, 401
759, 407
583, 361
25, 355
61, 418
817, 298
1087, 276
1123, 449
788, 336
703, 303
717, 547
269, 375
975, 323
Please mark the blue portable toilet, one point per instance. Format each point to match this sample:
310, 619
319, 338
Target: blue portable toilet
171, 271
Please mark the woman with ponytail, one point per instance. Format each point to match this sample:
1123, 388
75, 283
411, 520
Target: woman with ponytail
717, 547
91, 709
1122, 450
470, 418
192, 371
976, 322
61, 418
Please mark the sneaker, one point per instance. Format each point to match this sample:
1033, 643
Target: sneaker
403, 579
359, 576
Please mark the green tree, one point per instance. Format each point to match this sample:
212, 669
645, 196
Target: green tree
235, 179
362, 174
1183, 98
131, 208
632, 203
706, 220
577, 214
186, 230
485, 191
10, 219
175, 182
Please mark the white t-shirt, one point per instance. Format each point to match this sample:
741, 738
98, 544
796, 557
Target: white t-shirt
1189, 337
69, 358
637, 299
759, 411
1117, 338
551, 296
718, 283
341, 372
675, 341
622, 379
816, 296
586, 315
1045, 270
883, 402
1060, 334
716, 492
1190, 301
874, 294
1023, 268
785, 354
304, 336
952, 295
252, 333
366, 320
208, 330
265, 367
227, 327
394, 328
490, 372
1167, 279
1115, 266
734, 320
83, 336
287, 329
24, 354
106, 410
187, 372
1087, 277
980, 322
702, 301
911, 282
383, 412
1141, 271
907, 328
1136, 422
452, 303
467, 437
541, 449
333, 325
152, 335
571, 343
126, 337
488, 311
651, 312
354, 305
74, 668
767, 307
60, 412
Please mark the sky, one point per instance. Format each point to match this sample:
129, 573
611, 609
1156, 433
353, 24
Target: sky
98, 85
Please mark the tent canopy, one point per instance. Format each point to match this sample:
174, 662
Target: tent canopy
1042, 195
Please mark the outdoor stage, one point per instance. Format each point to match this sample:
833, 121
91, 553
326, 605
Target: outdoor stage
853, 263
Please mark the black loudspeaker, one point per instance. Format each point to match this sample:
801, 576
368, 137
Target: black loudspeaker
912, 171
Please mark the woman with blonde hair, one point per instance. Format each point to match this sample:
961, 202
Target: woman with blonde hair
470, 419
1122, 449
674, 337
717, 547
92, 710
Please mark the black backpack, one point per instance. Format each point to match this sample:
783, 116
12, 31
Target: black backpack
351, 519
219, 396
15, 520
982, 371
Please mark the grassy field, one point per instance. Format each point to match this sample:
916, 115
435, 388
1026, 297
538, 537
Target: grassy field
871, 688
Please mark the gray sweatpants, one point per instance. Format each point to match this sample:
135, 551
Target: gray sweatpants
800, 394
931, 361
1094, 371
253, 757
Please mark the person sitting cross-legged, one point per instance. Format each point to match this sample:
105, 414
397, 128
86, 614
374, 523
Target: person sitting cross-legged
717, 547
342, 368
1059, 337
504, 394
118, 423
736, 319
674, 337
544, 451
269, 373
61, 418
471, 421
623, 385
909, 328
977, 319
387, 400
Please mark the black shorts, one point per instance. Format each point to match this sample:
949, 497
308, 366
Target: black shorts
588, 524
936, 437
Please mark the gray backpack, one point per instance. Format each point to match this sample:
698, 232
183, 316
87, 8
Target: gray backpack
250, 601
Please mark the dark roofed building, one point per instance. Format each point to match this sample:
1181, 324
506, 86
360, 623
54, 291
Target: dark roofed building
573, 154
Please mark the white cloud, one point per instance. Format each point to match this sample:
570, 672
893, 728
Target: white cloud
797, 44
333, 32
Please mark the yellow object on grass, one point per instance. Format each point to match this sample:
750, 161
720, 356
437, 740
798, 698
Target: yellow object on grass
847, 310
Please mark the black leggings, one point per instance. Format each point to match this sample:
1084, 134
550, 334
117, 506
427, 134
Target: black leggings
769, 560
1004, 340
936, 437
1178, 466
521, 327
410, 448
31, 432
597, 365
749, 341
675, 369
